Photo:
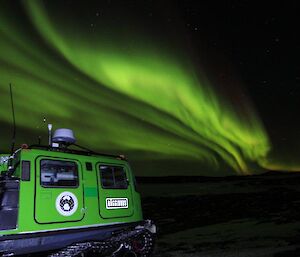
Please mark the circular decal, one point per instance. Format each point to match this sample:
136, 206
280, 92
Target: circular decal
66, 203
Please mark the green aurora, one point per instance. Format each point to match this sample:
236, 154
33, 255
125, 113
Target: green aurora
120, 93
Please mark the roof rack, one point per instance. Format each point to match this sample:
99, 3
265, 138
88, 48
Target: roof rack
85, 151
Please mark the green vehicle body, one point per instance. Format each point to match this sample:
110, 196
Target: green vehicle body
37, 203
55, 198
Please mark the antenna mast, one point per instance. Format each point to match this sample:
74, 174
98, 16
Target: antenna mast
50, 134
14, 120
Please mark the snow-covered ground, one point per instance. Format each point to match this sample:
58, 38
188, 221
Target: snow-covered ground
257, 217
240, 238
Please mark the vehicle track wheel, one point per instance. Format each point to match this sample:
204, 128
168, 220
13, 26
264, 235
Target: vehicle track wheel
143, 244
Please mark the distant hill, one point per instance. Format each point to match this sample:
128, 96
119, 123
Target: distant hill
199, 179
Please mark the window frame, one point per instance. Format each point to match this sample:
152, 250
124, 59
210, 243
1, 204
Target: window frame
118, 166
60, 160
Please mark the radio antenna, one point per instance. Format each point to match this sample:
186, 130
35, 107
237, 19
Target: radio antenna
13, 140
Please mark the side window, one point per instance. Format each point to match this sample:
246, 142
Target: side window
25, 176
113, 177
56, 173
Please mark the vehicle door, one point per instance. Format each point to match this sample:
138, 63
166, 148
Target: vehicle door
58, 190
115, 192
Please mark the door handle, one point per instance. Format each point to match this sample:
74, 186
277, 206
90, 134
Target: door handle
83, 209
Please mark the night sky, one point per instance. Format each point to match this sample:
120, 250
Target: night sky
180, 87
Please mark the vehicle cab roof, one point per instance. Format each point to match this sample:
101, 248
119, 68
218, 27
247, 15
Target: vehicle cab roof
66, 153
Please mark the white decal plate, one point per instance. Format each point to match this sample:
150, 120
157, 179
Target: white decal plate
116, 203
66, 203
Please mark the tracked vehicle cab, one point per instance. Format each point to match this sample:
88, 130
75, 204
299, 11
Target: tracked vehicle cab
57, 198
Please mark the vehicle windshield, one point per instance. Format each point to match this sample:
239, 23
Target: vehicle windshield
3, 162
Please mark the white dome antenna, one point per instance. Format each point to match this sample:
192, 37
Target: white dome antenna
63, 136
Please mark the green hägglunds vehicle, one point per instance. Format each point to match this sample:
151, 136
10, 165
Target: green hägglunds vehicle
66, 202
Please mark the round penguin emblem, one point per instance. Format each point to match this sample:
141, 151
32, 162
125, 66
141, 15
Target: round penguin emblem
66, 203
